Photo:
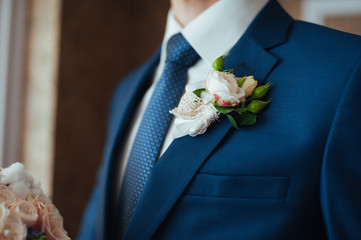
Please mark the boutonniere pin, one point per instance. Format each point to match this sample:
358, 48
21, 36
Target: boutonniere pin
239, 98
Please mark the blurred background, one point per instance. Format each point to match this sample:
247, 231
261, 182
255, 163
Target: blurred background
60, 61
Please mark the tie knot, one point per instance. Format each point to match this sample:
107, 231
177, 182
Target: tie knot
180, 51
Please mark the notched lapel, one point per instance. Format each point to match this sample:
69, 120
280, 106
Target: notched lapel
248, 58
250, 55
178, 165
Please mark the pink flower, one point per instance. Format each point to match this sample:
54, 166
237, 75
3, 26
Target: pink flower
7, 196
27, 211
50, 222
11, 226
23, 205
4, 213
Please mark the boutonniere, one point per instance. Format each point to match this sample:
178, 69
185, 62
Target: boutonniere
239, 98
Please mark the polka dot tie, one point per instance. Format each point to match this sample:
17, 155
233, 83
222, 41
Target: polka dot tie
153, 128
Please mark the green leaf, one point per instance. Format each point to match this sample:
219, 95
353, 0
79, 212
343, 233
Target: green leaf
240, 110
224, 110
233, 122
248, 119
240, 81
199, 91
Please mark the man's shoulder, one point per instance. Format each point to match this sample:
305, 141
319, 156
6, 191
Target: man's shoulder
327, 37
315, 46
130, 77
131, 82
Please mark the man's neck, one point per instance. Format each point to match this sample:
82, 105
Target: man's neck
187, 10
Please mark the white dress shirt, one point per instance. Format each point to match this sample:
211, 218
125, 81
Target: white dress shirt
212, 34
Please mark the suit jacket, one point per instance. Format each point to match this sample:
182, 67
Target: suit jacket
295, 174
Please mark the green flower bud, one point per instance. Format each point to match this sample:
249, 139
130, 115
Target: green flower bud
260, 91
218, 64
257, 105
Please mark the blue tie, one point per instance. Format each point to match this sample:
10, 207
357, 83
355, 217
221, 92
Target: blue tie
153, 128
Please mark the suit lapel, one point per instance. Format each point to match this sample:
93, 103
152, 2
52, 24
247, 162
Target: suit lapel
178, 165
124, 101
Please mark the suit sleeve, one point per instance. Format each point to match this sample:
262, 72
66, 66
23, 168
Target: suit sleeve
87, 230
88, 225
340, 186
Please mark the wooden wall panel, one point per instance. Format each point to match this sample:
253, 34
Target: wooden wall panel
101, 40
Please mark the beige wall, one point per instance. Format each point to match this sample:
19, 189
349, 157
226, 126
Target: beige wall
343, 15
293, 7
348, 23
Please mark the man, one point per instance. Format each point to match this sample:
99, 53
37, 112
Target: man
295, 174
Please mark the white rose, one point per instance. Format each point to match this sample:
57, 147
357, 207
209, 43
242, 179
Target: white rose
249, 85
20, 181
224, 88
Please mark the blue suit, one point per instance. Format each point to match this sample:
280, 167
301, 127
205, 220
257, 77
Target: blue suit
295, 174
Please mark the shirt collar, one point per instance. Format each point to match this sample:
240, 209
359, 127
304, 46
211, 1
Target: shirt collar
216, 30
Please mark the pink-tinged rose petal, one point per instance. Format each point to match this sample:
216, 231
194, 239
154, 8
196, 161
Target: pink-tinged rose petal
28, 212
224, 87
50, 222
224, 103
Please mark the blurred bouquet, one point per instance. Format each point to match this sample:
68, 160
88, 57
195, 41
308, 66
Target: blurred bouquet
25, 211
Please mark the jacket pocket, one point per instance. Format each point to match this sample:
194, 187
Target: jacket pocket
211, 185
